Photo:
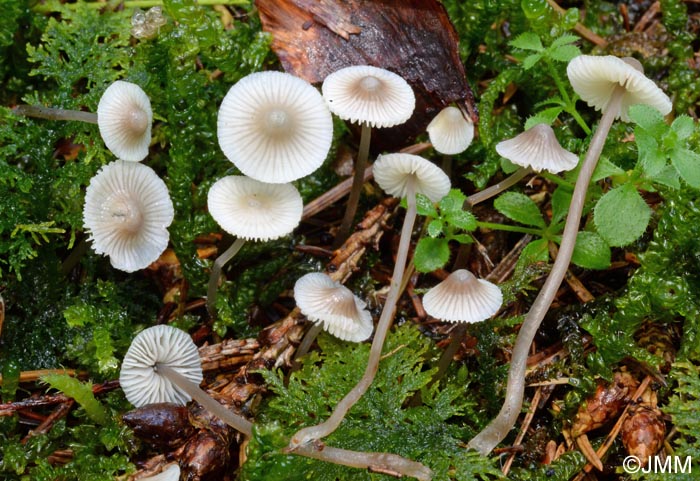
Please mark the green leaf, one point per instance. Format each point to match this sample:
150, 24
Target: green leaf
651, 158
527, 41
452, 202
462, 238
546, 116
669, 177
621, 215
82, 393
431, 254
531, 60
535, 251
424, 206
591, 251
683, 126
687, 163
462, 219
561, 198
604, 169
565, 39
519, 208
435, 228
649, 119
564, 53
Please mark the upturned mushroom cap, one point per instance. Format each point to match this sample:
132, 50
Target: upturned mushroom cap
362, 93
274, 127
393, 172
127, 212
161, 344
594, 79
450, 132
330, 303
254, 210
171, 473
461, 297
124, 118
538, 149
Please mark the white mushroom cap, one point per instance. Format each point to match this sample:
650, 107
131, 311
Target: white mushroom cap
393, 172
461, 297
127, 213
330, 303
124, 118
373, 95
594, 78
171, 473
450, 132
161, 344
274, 127
538, 149
254, 210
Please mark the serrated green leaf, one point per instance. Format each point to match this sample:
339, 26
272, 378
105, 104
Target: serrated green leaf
621, 215
81, 392
431, 254
520, 208
591, 251
462, 238
435, 227
424, 206
669, 177
651, 158
687, 163
531, 60
649, 119
683, 126
564, 53
564, 40
452, 202
604, 169
527, 41
561, 198
535, 251
546, 116
462, 219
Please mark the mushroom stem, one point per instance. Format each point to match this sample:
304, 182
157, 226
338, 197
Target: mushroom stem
357, 181
209, 403
323, 429
498, 429
219, 264
496, 189
309, 338
49, 113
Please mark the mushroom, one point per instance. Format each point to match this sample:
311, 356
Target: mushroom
372, 97
609, 84
249, 210
333, 307
461, 297
400, 175
274, 127
163, 365
123, 116
127, 212
450, 132
170, 473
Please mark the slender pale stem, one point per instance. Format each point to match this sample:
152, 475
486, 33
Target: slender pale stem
234, 420
357, 181
219, 264
49, 113
322, 430
498, 429
309, 338
496, 189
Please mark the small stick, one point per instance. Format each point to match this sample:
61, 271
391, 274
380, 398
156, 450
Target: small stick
43, 428
523, 429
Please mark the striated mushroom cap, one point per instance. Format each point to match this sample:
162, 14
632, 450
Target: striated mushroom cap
274, 127
461, 297
393, 171
594, 79
450, 132
127, 212
161, 344
362, 93
343, 314
538, 149
254, 210
124, 118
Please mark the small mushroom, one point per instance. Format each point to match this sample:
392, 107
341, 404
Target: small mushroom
461, 297
127, 212
372, 97
450, 131
274, 127
163, 365
538, 149
250, 210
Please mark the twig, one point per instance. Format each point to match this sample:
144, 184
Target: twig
48, 423
523, 429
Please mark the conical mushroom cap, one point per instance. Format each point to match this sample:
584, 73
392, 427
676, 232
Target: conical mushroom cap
538, 149
127, 212
594, 79
254, 210
341, 313
372, 95
393, 172
124, 118
274, 127
161, 344
463, 298
450, 132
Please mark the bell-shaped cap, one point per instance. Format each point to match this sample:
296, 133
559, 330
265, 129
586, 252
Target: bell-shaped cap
254, 210
274, 127
330, 303
450, 131
461, 297
371, 95
538, 149
124, 118
595, 78
170, 473
393, 172
139, 377
127, 212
